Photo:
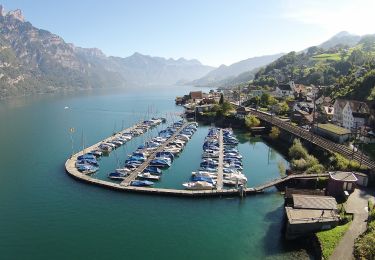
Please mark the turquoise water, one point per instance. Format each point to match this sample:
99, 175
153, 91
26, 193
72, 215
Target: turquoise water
45, 214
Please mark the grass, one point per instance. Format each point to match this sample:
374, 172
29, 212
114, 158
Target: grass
369, 149
329, 239
328, 56
334, 129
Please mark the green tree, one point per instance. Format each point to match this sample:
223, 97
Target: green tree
275, 132
221, 101
297, 151
251, 121
282, 168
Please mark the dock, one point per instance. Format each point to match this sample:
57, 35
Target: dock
134, 173
219, 181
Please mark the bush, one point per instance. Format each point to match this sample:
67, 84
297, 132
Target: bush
297, 151
251, 121
275, 132
317, 168
364, 246
299, 164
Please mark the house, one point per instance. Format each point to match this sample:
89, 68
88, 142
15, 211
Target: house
328, 112
309, 214
242, 112
339, 182
196, 95
350, 114
285, 90
304, 106
322, 100
333, 132
203, 108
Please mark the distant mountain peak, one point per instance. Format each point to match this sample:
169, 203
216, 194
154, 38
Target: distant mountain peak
342, 34
17, 14
2, 10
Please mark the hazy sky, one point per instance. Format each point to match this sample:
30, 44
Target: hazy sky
212, 31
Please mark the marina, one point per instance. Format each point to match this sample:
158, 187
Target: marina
125, 184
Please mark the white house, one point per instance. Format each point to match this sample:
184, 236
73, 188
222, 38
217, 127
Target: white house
350, 114
285, 90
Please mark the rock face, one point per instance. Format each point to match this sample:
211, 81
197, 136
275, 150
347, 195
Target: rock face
33, 60
17, 14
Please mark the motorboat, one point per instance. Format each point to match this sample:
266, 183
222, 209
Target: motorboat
87, 168
153, 170
141, 183
198, 185
117, 175
202, 178
148, 176
160, 163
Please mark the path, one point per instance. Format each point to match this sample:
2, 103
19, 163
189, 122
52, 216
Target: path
356, 204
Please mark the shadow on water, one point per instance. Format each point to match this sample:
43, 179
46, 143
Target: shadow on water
274, 239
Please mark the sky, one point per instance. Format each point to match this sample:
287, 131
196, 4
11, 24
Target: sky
213, 31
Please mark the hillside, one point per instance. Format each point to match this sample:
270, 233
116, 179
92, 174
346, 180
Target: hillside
226, 75
349, 70
33, 60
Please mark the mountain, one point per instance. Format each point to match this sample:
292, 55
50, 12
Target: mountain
33, 60
342, 38
228, 73
348, 70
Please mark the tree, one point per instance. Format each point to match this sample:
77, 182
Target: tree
221, 99
226, 107
251, 121
281, 167
275, 132
297, 151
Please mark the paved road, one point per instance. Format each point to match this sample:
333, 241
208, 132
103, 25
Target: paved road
356, 204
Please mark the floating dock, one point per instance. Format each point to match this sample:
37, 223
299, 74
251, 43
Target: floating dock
144, 165
219, 181
123, 186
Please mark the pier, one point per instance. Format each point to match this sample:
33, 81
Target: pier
219, 181
134, 174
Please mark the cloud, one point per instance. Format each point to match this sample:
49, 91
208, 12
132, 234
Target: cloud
334, 15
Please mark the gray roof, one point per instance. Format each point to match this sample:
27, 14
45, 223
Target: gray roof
314, 202
343, 176
305, 216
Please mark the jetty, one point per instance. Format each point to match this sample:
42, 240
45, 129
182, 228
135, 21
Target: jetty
144, 165
219, 181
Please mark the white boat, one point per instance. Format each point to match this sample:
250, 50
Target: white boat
198, 185
205, 174
148, 176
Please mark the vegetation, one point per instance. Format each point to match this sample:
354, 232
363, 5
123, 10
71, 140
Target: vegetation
275, 132
339, 162
364, 245
301, 160
251, 121
369, 149
350, 71
282, 168
329, 239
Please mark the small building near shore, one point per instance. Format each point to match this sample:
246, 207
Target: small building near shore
242, 112
203, 108
341, 182
333, 132
310, 214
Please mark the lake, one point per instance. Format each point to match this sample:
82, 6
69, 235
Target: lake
45, 214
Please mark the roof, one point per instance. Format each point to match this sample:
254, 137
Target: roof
334, 129
329, 110
343, 176
301, 201
196, 94
284, 87
301, 216
289, 192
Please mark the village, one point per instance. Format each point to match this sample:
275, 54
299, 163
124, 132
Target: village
311, 207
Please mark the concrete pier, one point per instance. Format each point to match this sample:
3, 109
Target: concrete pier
219, 181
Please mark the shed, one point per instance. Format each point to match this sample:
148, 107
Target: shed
339, 182
333, 132
309, 214
362, 179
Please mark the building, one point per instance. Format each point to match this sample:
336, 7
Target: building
203, 108
285, 90
333, 132
328, 112
350, 114
309, 214
196, 95
341, 182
